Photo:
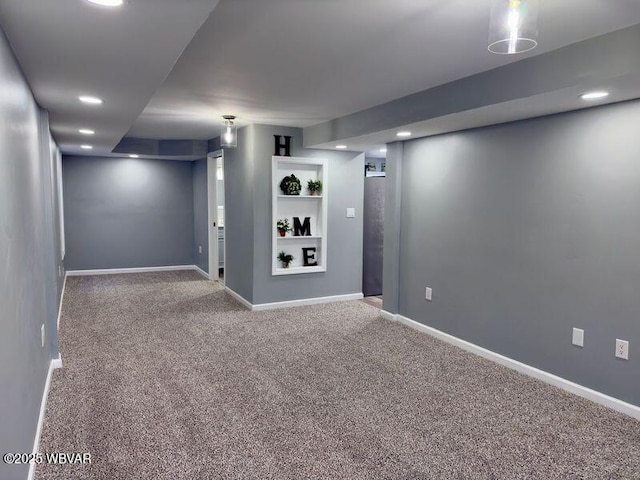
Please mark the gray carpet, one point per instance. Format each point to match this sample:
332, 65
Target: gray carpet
167, 377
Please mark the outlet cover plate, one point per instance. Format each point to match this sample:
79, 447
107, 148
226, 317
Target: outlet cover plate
622, 349
428, 294
578, 337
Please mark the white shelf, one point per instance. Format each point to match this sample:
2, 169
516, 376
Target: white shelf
319, 197
298, 270
312, 213
306, 237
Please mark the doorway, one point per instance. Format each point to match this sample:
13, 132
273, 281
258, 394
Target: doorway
216, 215
373, 233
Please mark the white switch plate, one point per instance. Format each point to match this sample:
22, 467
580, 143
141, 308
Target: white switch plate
622, 349
42, 335
351, 213
428, 293
200, 249
578, 337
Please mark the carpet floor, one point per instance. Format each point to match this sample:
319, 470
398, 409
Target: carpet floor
167, 377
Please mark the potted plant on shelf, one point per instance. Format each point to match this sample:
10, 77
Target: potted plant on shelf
285, 258
290, 185
315, 187
283, 226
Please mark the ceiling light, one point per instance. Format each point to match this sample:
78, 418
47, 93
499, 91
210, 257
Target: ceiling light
383, 150
594, 95
229, 134
107, 3
86, 147
513, 27
134, 155
403, 134
341, 147
91, 100
86, 131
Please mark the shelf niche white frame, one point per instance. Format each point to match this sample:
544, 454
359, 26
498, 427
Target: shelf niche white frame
303, 205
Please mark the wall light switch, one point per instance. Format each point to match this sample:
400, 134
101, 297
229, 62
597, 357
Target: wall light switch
200, 249
578, 337
428, 293
42, 335
622, 349
351, 213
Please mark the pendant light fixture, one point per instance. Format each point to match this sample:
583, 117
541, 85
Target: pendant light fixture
229, 134
514, 26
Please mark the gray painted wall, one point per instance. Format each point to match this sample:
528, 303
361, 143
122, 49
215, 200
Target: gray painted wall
248, 226
526, 230
200, 214
29, 260
125, 213
57, 206
392, 214
375, 160
239, 178
344, 253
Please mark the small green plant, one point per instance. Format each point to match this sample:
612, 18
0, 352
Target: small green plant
314, 186
285, 258
290, 185
283, 226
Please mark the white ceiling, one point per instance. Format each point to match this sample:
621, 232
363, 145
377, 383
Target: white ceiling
297, 62
286, 62
69, 48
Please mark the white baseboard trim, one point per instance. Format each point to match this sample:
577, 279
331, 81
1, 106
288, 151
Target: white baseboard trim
201, 272
388, 315
115, 271
239, 298
293, 303
307, 301
53, 364
64, 287
56, 362
584, 392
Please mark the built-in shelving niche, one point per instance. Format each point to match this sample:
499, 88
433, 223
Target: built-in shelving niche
302, 206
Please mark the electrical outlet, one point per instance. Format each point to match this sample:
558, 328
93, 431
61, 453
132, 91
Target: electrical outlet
200, 249
578, 337
428, 293
351, 213
622, 349
42, 335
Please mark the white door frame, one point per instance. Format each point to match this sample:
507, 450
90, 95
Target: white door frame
213, 160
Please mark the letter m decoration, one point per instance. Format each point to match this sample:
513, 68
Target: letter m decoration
302, 230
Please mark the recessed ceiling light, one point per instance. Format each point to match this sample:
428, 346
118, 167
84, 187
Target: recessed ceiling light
86, 131
403, 134
86, 147
594, 95
134, 155
341, 147
107, 3
383, 150
91, 100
